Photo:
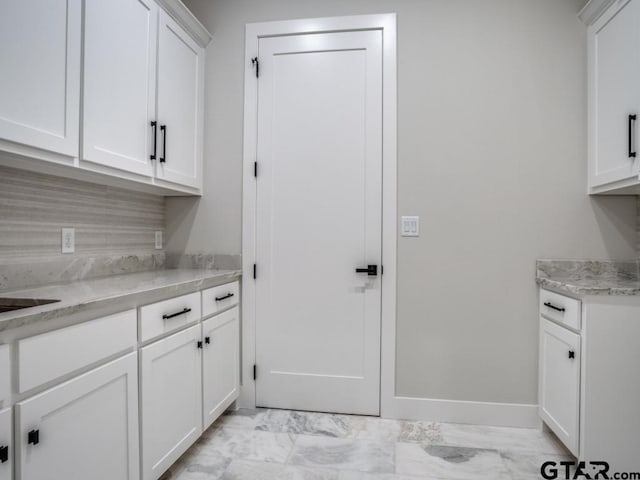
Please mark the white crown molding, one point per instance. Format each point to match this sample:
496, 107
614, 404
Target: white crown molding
593, 9
187, 20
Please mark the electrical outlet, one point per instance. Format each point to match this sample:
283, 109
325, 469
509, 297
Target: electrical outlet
410, 226
159, 240
68, 240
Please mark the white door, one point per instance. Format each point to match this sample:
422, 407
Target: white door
6, 445
616, 93
84, 428
119, 84
220, 364
180, 79
171, 390
560, 381
318, 219
40, 79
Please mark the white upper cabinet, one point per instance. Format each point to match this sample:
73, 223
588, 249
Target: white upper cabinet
180, 93
40, 79
119, 84
614, 99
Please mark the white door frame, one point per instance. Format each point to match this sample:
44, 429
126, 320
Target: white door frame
254, 31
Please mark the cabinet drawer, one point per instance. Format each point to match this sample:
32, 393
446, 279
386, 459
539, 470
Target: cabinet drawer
168, 315
5, 373
559, 308
48, 356
220, 298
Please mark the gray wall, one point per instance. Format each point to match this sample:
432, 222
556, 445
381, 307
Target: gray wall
492, 156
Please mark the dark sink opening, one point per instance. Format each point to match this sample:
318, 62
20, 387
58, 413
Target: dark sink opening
10, 304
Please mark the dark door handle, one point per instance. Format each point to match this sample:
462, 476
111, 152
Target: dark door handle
553, 307
224, 297
166, 317
4, 454
371, 270
33, 437
632, 121
207, 340
163, 129
154, 126
572, 354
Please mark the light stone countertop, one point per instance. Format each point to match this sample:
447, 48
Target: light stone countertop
112, 292
589, 277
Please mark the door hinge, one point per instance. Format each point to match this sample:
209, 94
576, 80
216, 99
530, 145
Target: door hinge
4, 454
254, 271
256, 63
255, 169
255, 371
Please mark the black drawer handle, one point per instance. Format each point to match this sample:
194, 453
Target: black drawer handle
207, 340
163, 129
4, 454
553, 307
154, 126
572, 354
224, 297
166, 317
33, 437
632, 121
371, 270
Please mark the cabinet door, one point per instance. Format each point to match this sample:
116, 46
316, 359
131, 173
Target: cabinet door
560, 381
220, 363
171, 389
40, 80
180, 84
615, 93
84, 428
119, 84
6, 446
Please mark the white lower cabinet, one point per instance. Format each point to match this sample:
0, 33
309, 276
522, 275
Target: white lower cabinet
560, 382
84, 428
171, 390
6, 447
220, 364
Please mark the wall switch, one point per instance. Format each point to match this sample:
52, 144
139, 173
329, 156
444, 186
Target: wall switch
159, 240
68, 240
410, 226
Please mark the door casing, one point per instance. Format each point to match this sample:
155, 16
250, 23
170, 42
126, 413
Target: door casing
254, 31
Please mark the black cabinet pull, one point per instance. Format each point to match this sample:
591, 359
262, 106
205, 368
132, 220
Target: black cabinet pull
632, 121
163, 129
572, 354
166, 317
207, 340
33, 437
553, 307
224, 297
199, 343
154, 126
371, 270
4, 454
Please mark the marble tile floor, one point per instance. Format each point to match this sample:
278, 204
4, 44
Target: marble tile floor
264, 444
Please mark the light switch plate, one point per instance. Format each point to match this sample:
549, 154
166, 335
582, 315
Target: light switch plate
410, 226
159, 240
68, 240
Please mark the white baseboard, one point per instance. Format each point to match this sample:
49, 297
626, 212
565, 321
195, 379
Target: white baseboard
455, 411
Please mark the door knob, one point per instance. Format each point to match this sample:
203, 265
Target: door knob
371, 270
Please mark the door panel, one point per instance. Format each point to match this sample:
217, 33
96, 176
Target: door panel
179, 83
560, 381
220, 363
40, 80
617, 95
78, 422
6, 468
318, 218
171, 389
119, 83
